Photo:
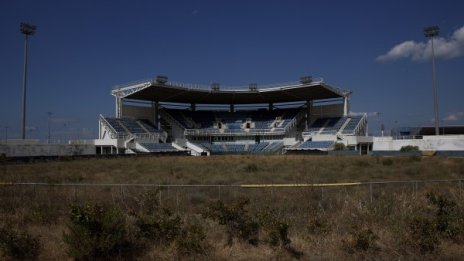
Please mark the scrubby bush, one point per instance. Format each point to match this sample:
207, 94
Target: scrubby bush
160, 228
442, 220
191, 241
409, 148
275, 227
365, 239
96, 232
448, 220
424, 234
18, 245
361, 240
235, 217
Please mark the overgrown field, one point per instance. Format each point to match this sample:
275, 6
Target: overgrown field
148, 220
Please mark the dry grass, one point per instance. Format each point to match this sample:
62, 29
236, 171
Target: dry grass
342, 213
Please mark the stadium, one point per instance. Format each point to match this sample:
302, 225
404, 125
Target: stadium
160, 116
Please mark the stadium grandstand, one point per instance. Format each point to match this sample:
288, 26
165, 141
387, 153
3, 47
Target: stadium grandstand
160, 116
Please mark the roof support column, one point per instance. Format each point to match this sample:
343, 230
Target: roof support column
118, 107
309, 107
346, 106
193, 106
232, 108
155, 106
271, 106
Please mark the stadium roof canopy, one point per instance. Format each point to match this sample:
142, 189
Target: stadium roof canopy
153, 90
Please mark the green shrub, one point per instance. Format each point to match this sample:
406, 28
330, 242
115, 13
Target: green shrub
96, 232
409, 148
339, 146
18, 245
238, 222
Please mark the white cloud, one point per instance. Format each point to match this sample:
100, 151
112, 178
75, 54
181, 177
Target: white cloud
420, 51
454, 116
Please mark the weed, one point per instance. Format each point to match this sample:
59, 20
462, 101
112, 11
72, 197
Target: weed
18, 245
387, 162
251, 167
44, 214
318, 226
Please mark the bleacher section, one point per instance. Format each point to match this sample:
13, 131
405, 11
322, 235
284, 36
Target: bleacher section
333, 125
258, 148
126, 126
315, 145
258, 120
158, 147
351, 126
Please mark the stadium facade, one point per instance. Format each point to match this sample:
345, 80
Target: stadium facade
308, 116
160, 116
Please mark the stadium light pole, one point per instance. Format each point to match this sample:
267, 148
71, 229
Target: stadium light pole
49, 125
27, 30
430, 33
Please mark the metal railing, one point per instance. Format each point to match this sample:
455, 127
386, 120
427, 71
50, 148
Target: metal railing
222, 87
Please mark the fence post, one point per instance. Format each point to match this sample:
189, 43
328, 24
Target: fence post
219, 192
460, 188
177, 200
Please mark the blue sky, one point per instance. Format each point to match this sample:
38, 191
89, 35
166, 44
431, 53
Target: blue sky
82, 48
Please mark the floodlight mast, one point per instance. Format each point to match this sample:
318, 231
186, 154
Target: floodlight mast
27, 30
430, 33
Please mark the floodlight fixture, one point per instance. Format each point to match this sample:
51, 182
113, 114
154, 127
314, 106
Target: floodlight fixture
431, 32
27, 29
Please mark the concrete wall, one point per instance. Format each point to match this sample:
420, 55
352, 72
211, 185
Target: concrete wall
427, 143
39, 149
